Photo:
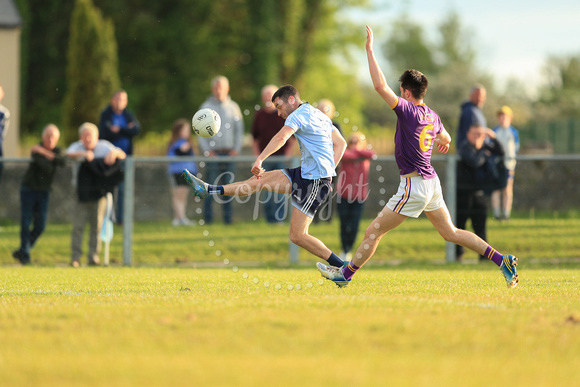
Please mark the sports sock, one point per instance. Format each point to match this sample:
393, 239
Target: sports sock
349, 270
494, 255
334, 260
215, 189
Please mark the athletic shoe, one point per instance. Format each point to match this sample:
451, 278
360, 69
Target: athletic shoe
199, 187
24, 260
186, 222
333, 274
16, 254
508, 269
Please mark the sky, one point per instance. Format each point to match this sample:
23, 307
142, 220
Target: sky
512, 38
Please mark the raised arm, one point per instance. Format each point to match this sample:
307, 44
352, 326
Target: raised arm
379, 81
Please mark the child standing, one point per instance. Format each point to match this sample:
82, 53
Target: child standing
180, 145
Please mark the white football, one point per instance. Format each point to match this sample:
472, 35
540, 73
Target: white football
206, 122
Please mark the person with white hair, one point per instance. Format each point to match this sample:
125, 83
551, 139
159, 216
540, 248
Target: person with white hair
93, 177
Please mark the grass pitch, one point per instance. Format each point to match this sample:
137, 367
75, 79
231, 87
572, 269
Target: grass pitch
411, 325
407, 319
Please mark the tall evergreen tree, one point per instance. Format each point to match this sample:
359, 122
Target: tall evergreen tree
92, 73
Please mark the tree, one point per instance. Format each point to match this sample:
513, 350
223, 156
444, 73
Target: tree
168, 52
92, 74
406, 48
44, 40
449, 65
560, 98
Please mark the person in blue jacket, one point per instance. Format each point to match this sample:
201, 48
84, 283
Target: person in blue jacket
180, 145
118, 125
471, 113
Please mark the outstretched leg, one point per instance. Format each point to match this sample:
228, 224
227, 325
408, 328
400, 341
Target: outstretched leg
275, 181
442, 221
386, 221
383, 223
507, 263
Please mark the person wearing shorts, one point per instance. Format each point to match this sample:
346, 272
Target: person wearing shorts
321, 148
419, 130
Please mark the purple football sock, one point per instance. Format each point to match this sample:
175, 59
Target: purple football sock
494, 255
349, 270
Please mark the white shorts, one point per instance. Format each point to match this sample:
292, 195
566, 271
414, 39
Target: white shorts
416, 195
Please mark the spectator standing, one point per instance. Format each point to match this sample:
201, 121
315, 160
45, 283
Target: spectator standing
471, 113
508, 137
35, 190
96, 173
474, 174
4, 123
266, 124
227, 142
118, 125
352, 187
180, 145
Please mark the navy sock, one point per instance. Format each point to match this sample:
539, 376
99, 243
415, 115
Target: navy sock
334, 260
215, 189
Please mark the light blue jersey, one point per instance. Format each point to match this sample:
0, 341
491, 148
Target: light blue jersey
313, 130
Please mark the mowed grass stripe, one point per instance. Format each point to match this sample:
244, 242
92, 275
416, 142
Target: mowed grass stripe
169, 326
157, 243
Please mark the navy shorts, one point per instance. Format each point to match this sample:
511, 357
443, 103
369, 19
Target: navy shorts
307, 194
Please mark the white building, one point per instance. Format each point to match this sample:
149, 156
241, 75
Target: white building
10, 31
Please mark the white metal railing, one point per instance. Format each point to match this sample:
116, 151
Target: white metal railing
131, 162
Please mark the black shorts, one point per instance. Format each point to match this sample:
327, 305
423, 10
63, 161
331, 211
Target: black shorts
307, 194
178, 179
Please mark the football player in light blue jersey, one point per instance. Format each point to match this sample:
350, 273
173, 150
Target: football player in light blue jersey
321, 147
311, 129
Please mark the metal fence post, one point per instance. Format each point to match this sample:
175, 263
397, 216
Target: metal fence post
128, 207
451, 200
294, 250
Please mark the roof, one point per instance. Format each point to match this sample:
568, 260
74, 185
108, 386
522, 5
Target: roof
9, 15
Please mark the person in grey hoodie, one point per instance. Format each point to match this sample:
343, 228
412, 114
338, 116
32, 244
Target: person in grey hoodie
227, 142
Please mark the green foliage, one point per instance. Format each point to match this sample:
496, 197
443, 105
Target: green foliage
456, 46
406, 48
169, 51
44, 40
92, 73
560, 98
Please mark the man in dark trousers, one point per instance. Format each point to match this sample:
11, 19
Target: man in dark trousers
35, 190
479, 172
118, 125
